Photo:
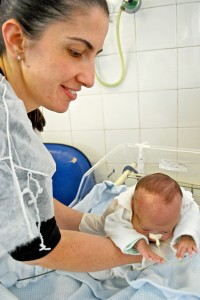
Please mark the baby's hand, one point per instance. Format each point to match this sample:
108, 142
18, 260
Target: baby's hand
186, 244
146, 251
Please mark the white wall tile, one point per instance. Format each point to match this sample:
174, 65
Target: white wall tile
128, 32
86, 113
188, 67
165, 137
111, 70
153, 3
186, 1
156, 28
56, 121
189, 138
189, 108
116, 137
91, 143
95, 90
121, 111
123, 35
153, 156
158, 109
57, 137
157, 70
110, 44
188, 26
114, 5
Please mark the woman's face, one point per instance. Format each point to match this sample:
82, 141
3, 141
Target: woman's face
56, 67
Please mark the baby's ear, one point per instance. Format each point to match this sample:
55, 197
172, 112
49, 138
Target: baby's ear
13, 37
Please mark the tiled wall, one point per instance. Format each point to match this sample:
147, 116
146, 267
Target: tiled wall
159, 100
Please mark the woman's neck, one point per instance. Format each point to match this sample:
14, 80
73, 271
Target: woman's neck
13, 75
2, 67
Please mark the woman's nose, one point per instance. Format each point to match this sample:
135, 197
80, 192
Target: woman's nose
86, 77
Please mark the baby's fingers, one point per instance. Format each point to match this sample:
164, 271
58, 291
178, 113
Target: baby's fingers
180, 252
154, 257
192, 250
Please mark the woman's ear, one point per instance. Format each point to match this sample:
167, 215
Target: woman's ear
13, 37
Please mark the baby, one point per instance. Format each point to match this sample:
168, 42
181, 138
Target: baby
156, 209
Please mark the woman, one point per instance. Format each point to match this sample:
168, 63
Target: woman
47, 53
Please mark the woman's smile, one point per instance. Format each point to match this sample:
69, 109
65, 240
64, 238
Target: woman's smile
71, 94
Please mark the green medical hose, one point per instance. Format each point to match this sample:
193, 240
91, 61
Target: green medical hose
123, 72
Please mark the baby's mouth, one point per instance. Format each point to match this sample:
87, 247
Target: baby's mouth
155, 237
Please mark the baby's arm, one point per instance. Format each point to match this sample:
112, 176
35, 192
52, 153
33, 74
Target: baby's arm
186, 244
186, 238
146, 251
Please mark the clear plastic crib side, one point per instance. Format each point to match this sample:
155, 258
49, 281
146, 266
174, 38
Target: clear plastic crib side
126, 163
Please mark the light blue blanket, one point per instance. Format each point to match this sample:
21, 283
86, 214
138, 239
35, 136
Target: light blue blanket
174, 280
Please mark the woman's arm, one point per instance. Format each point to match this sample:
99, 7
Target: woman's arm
66, 217
82, 252
78, 251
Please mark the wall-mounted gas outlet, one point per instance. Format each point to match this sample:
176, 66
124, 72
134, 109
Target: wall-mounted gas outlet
131, 6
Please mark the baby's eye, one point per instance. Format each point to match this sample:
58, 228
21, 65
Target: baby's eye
74, 53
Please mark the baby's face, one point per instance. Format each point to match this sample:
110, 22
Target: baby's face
152, 215
146, 227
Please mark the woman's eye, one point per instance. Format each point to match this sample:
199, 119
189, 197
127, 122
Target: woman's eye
74, 53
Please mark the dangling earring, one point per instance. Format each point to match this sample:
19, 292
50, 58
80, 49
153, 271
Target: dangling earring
19, 58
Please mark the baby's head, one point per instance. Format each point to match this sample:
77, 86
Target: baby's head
156, 205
